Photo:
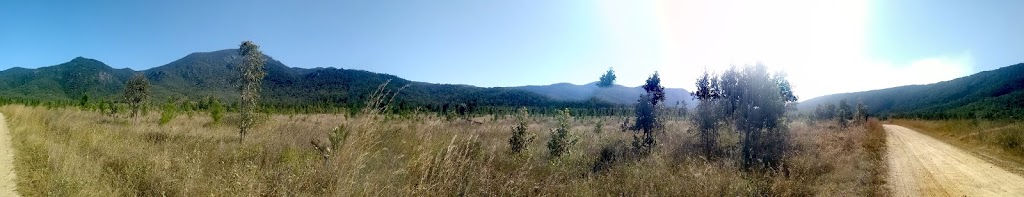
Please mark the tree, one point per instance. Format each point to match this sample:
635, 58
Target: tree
646, 114
754, 102
759, 116
520, 139
84, 101
845, 110
861, 116
607, 80
136, 93
682, 108
253, 71
216, 110
706, 120
845, 113
654, 89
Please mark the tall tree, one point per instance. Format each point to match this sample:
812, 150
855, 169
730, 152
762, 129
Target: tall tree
607, 79
760, 115
646, 114
253, 71
136, 93
706, 120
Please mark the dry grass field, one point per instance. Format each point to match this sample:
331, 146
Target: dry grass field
70, 152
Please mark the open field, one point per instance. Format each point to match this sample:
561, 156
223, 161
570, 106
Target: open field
69, 152
1000, 142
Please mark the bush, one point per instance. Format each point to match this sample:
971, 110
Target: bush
337, 137
520, 139
216, 111
609, 155
561, 140
169, 112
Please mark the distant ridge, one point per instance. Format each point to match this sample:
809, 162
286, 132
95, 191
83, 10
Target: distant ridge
990, 94
615, 94
213, 74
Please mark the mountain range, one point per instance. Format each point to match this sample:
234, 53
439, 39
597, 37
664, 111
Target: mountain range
213, 74
993, 94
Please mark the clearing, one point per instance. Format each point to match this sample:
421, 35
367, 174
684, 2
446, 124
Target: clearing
922, 165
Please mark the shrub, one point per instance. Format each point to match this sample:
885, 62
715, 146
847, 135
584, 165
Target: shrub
169, 111
337, 137
561, 140
520, 139
608, 156
216, 110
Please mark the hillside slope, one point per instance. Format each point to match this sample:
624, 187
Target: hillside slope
990, 94
67, 81
214, 74
615, 94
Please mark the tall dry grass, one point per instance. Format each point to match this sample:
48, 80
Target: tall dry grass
68, 152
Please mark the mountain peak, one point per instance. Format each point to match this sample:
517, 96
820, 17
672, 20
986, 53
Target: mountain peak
82, 59
85, 63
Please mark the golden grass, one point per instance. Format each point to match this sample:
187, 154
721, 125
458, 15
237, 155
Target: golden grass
68, 152
998, 141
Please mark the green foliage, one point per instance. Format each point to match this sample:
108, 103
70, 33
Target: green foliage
84, 101
521, 138
647, 120
253, 71
216, 110
753, 102
136, 93
337, 137
168, 112
216, 74
707, 119
561, 141
608, 79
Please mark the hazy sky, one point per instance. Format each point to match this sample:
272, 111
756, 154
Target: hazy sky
825, 46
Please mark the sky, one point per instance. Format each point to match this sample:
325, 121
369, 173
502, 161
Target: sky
824, 46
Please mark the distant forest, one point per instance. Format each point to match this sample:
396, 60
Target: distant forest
995, 94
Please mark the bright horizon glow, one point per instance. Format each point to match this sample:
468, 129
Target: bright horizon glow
820, 45
825, 47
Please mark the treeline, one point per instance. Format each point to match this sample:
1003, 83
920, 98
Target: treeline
843, 113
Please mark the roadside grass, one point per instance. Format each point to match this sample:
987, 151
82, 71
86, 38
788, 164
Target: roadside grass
998, 141
69, 152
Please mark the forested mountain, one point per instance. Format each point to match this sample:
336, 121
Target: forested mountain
67, 81
214, 75
990, 94
615, 94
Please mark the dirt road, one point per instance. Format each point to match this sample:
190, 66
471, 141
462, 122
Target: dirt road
7, 176
922, 165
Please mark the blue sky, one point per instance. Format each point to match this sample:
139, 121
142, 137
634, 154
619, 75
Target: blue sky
825, 46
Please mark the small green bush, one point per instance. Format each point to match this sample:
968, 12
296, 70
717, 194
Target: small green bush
169, 112
561, 140
520, 139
